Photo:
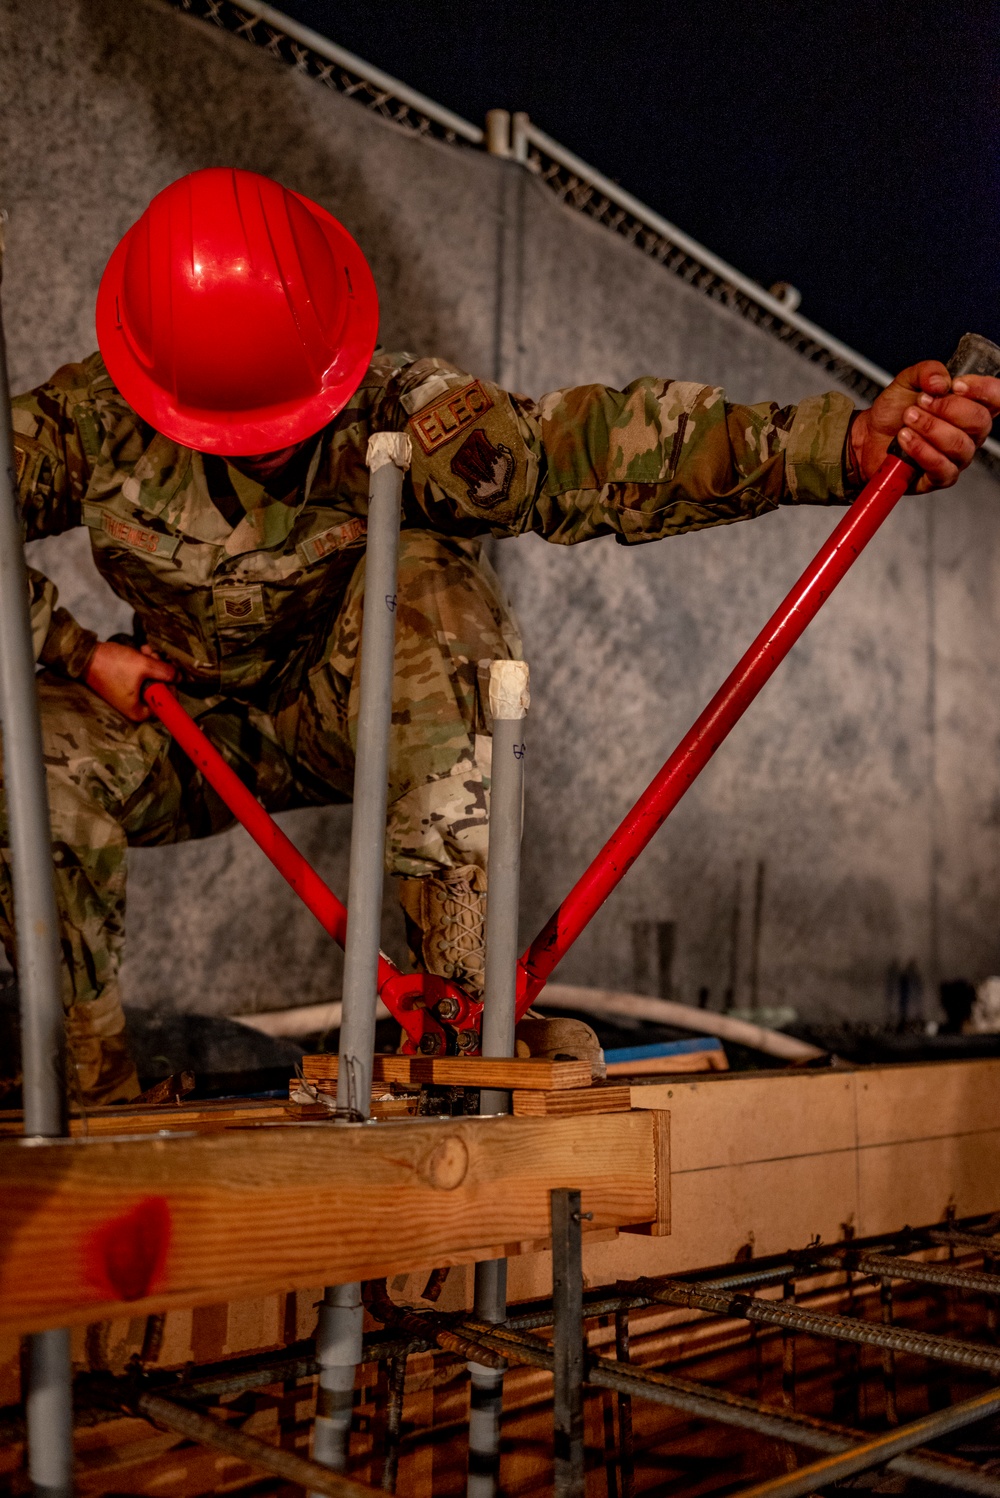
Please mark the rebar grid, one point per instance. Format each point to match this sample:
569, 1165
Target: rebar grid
839, 1328
893, 1267
721, 1291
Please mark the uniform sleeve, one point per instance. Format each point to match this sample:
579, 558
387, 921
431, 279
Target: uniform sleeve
656, 459
56, 441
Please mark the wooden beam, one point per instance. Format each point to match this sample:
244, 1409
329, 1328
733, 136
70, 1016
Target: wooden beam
660, 1225
150, 1223
462, 1071
141, 1118
573, 1102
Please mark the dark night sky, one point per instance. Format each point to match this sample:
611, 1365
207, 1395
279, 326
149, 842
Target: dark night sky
852, 149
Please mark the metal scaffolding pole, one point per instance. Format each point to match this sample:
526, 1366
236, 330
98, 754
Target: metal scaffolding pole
509, 702
49, 1400
388, 459
339, 1332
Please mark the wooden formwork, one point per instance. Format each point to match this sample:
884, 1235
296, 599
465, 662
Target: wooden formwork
211, 1237
220, 1208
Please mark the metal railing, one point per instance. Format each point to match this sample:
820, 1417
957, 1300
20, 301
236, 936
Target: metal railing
573, 181
308, 52
587, 190
576, 183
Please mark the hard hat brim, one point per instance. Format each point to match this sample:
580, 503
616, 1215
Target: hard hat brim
263, 429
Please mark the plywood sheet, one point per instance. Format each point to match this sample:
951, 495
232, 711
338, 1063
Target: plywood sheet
918, 1181
927, 1102
738, 1118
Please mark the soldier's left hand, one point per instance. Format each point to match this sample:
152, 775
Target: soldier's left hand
939, 424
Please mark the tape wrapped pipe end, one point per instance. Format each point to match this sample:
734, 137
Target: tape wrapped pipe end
389, 447
509, 695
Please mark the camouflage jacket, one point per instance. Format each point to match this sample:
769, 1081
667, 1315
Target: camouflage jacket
236, 583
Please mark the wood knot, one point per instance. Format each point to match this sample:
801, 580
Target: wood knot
447, 1164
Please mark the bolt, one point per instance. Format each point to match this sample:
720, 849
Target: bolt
448, 1007
466, 1040
430, 1043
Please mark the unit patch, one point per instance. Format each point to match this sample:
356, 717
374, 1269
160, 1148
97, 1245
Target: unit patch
486, 468
442, 422
239, 605
335, 539
135, 537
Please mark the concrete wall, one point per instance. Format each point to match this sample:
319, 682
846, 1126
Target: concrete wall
858, 805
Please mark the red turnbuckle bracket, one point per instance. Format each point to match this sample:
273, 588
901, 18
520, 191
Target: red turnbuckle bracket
438, 1000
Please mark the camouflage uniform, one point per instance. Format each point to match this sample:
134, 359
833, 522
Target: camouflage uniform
256, 595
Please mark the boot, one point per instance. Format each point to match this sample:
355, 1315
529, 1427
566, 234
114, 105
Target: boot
560, 1040
445, 924
99, 1066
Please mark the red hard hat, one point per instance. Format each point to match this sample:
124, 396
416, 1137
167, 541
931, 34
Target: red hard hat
236, 317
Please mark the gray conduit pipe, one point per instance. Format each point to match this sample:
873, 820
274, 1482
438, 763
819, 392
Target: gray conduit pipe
338, 1333
612, 1002
49, 1395
509, 700
598, 1001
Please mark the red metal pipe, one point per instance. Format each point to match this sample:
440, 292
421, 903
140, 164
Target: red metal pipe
798, 609
408, 996
291, 865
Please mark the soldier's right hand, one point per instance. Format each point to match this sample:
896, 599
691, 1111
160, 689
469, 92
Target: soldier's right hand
117, 673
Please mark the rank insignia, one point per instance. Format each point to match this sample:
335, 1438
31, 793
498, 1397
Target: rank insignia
239, 605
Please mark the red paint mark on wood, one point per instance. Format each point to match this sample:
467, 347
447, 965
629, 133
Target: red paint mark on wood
126, 1256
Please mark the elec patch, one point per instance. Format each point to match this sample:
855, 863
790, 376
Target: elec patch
442, 422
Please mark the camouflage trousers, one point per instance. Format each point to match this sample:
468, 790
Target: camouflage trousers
114, 784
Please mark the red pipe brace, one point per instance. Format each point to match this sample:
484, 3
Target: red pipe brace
407, 996
838, 553
411, 997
